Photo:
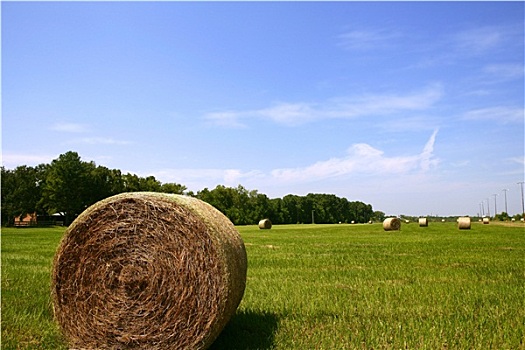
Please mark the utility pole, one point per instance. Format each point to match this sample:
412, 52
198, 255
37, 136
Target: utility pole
488, 207
495, 206
522, 202
505, 191
483, 207
313, 221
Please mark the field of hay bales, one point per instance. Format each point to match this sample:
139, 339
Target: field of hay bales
327, 287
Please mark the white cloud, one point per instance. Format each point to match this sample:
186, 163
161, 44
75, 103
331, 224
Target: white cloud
519, 160
70, 127
471, 42
505, 71
226, 119
361, 158
479, 40
292, 114
366, 39
499, 114
100, 141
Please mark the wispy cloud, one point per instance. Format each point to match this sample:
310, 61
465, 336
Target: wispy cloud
519, 160
293, 114
505, 70
470, 43
366, 39
228, 119
479, 40
500, 114
70, 127
99, 141
361, 158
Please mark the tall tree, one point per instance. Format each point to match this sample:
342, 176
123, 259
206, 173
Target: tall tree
21, 191
67, 188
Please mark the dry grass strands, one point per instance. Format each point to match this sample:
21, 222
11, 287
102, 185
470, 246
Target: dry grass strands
265, 224
392, 224
423, 222
464, 223
148, 271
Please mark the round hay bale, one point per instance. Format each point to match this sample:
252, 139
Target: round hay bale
265, 224
486, 221
464, 223
149, 271
423, 222
392, 224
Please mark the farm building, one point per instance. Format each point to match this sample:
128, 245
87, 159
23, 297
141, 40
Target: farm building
27, 220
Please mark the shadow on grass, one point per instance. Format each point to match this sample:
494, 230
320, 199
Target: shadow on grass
248, 330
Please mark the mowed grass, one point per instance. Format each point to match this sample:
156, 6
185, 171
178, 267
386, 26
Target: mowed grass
328, 287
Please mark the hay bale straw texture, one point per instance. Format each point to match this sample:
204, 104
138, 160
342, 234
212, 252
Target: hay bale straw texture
265, 224
464, 223
392, 224
149, 271
423, 222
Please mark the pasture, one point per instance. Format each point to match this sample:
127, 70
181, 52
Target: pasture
327, 287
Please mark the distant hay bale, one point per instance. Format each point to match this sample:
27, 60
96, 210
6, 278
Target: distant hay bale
265, 224
464, 223
423, 222
149, 271
391, 224
486, 221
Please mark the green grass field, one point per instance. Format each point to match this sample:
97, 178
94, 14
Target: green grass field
328, 287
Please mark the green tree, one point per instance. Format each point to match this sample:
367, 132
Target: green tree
7, 188
134, 183
102, 183
67, 188
21, 191
173, 188
378, 216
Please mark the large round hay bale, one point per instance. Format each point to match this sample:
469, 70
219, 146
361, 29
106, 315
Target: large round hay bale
423, 222
391, 224
486, 220
149, 271
265, 224
464, 223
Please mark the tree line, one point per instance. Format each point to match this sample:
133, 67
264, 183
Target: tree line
68, 185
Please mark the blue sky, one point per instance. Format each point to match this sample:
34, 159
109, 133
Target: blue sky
415, 107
